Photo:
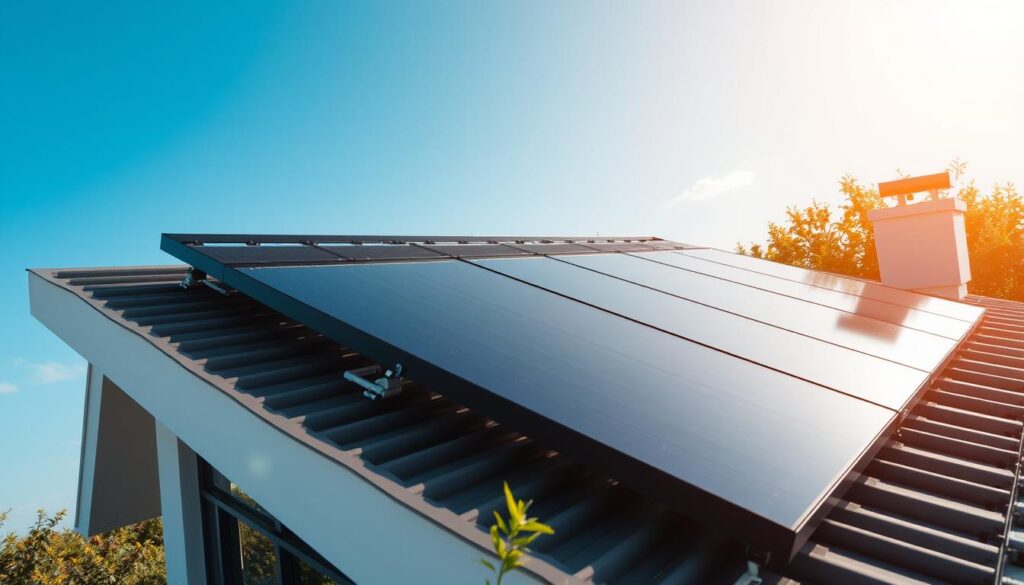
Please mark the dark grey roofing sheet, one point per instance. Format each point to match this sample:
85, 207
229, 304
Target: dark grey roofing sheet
929, 508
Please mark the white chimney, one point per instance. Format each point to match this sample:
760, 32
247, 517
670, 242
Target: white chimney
922, 246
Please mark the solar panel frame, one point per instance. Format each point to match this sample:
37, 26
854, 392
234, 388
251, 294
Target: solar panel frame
758, 531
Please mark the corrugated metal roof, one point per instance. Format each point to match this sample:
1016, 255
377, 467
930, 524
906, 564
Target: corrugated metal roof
931, 507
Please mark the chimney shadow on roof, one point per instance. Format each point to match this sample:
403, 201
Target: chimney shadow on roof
869, 327
870, 317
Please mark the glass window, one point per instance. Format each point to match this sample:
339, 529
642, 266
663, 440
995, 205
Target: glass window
246, 545
310, 576
259, 557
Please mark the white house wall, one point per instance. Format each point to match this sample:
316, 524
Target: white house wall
182, 513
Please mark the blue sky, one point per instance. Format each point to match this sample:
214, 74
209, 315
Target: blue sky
693, 121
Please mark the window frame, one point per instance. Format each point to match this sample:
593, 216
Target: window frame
222, 512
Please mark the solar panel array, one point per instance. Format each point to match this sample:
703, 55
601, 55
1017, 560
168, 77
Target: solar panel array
740, 391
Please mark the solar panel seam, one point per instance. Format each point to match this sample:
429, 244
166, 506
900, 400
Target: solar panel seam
440, 249
331, 251
688, 255
682, 298
591, 247
643, 257
678, 336
521, 247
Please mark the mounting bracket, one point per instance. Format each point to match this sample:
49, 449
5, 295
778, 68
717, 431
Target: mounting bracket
195, 276
756, 559
390, 384
192, 278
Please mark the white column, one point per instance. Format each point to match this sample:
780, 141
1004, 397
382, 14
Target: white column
180, 505
90, 439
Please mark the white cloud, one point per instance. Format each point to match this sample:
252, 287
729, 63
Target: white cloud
52, 372
7, 388
711, 187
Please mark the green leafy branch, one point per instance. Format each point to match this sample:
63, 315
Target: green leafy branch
512, 538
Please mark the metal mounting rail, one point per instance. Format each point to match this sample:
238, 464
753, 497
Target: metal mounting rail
213, 253
309, 240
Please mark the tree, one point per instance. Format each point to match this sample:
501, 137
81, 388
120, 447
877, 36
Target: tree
995, 241
844, 243
132, 555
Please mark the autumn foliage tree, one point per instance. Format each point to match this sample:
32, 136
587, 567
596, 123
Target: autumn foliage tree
48, 555
842, 241
995, 240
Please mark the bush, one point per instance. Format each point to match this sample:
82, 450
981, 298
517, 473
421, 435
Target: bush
132, 555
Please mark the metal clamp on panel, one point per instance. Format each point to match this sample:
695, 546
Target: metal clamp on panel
756, 559
752, 576
390, 384
194, 277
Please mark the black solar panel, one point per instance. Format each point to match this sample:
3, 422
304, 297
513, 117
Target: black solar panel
553, 248
888, 341
852, 372
397, 252
737, 391
475, 250
242, 254
619, 246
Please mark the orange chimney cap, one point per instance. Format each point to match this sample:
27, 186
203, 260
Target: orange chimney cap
914, 185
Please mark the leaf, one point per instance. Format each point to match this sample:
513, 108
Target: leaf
525, 541
501, 523
487, 564
494, 537
499, 544
535, 526
515, 518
